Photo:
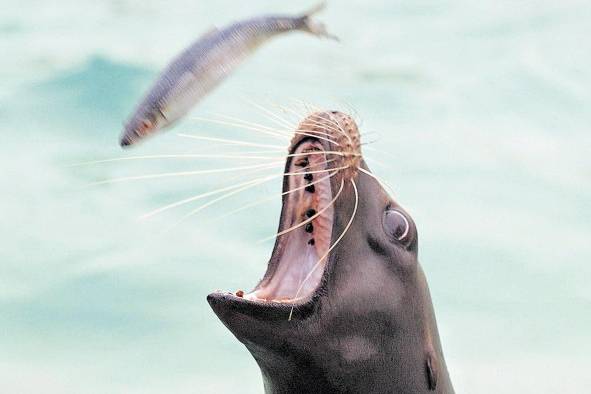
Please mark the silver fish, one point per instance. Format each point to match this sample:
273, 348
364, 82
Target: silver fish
203, 65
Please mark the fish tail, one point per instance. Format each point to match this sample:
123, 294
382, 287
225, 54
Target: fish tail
315, 27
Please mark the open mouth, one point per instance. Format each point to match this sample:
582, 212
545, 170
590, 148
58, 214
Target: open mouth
302, 243
295, 274
303, 240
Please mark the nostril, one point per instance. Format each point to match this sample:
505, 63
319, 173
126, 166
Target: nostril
303, 162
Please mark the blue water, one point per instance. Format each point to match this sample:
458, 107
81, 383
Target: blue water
481, 113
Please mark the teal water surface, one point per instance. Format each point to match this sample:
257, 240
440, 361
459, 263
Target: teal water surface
480, 116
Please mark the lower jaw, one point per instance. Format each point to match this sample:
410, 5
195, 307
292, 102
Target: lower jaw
234, 310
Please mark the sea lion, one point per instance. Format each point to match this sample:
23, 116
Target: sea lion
344, 305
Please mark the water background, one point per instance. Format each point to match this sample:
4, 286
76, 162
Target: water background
481, 112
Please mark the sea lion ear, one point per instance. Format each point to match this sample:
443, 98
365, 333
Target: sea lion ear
431, 369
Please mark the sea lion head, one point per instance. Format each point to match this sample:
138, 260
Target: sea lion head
343, 305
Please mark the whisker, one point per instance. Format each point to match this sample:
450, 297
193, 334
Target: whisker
316, 153
271, 132
309, 108
313, 115
241, 187
370, 132
279, 234
284, 108
374, 149
316, 134
381, 182
185, 173
262, 200
340, 127
354, 113
278, 120
232, 142
331, 248
366, 143
273, 116
243, 174
258, 125
204, 156
318, 171
310, 120
333, 125
225, 196
181, 156
200, 196
283, 133
239, 176
299, 115
378, 162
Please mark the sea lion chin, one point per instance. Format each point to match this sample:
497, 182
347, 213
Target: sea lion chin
344, 305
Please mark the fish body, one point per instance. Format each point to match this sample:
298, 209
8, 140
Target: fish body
203, 65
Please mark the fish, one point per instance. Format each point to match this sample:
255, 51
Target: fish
197, 70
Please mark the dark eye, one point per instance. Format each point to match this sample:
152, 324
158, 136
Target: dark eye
396, 224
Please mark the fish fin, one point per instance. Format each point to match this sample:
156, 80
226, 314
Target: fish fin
209, 32
315, 27
316, 9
